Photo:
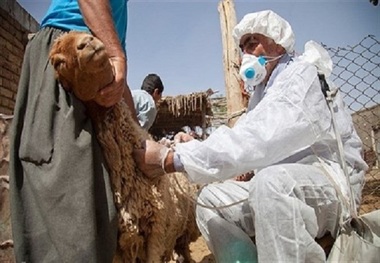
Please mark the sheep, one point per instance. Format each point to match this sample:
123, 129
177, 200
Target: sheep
155, 216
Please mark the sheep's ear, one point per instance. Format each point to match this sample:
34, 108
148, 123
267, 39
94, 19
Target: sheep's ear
57, 60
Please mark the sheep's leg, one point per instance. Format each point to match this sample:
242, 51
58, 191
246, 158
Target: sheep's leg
182, 248
156, 246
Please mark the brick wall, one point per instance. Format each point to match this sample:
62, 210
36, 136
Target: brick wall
367, 124
366, 121
6, 251
15, 26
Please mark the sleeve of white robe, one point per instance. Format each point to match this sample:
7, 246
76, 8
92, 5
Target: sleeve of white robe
292, 116
145, 108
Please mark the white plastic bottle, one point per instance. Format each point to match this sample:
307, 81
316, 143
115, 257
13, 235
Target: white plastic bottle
230, 244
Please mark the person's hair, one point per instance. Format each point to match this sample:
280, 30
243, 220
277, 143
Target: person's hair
152, 82
245, 41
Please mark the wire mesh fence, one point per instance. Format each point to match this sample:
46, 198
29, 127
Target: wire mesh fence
357, 71
357, 74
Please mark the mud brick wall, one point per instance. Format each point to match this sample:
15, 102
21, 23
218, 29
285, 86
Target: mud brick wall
15, 26
16, 23
6, 250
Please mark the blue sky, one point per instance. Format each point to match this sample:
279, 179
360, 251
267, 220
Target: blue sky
181, 41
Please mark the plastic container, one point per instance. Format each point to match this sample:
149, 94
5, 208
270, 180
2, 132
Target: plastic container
229, 243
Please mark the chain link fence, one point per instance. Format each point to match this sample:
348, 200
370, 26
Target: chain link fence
357, 74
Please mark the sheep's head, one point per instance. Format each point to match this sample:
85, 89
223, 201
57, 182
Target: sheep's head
81, 64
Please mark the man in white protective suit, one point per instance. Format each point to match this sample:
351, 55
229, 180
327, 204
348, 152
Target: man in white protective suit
287, 138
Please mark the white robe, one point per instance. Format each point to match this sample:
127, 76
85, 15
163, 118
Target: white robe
145, 108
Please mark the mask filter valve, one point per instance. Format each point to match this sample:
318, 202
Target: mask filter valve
252, 70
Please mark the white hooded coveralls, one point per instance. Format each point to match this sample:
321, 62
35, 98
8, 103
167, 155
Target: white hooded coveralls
290, 200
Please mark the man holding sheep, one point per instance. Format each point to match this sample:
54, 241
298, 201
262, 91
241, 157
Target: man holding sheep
287, 138
62, 204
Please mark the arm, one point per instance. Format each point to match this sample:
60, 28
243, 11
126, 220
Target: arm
98, 17
290, 118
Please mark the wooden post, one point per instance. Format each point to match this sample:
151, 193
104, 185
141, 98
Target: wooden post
231, 60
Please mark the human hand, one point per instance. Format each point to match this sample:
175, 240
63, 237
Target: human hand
113, 93
150, 160
245, 177
166, 142
182, 137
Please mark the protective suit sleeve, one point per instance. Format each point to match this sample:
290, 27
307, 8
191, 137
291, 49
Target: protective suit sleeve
290, 118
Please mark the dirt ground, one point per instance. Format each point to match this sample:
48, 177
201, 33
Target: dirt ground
200, 253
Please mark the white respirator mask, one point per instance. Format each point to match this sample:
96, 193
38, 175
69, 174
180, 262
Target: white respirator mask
253, 71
